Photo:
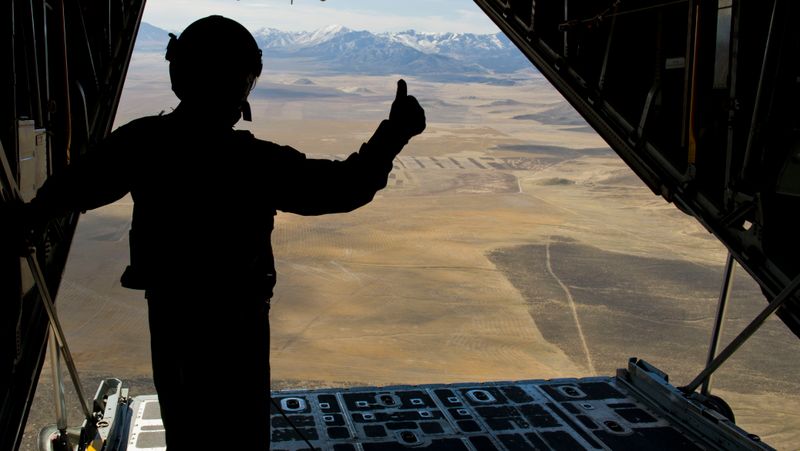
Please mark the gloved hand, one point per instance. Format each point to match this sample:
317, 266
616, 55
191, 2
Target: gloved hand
406, 113
15, 231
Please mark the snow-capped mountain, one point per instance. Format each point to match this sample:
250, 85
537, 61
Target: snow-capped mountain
290, 41
492, 51
453, 43
444, 56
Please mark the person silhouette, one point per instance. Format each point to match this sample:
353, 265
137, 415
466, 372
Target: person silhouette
205, 196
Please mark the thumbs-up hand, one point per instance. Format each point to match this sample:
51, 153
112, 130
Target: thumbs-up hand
406, 113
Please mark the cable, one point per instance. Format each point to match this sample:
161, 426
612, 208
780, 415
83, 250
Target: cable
297, 431
607, 13
645, 8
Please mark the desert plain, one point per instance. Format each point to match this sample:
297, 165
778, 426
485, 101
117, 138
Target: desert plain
511, 243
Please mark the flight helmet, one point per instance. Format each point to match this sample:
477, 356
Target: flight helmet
215, 62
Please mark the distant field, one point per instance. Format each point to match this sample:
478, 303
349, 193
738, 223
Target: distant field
504, 228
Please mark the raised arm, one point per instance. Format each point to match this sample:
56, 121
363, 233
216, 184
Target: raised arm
313, 187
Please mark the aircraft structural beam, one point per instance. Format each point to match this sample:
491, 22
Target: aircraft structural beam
743, 336
722, 307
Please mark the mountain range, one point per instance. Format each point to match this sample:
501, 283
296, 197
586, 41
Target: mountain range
488, 58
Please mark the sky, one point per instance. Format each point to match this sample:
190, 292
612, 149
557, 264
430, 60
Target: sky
305, 15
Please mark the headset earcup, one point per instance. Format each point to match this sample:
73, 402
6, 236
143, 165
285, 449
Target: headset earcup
172, 48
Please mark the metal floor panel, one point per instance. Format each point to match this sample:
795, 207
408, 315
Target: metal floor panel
565, 414
637, 409
147, 429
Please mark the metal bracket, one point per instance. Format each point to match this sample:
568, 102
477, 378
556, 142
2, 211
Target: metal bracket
10, 193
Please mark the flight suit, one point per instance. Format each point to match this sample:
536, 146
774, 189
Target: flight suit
205, 197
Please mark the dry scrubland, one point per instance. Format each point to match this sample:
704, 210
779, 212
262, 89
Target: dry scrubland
511, 243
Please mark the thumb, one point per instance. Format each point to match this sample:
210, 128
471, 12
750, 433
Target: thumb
402, 89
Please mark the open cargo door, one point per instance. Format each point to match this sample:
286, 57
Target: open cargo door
699, 98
